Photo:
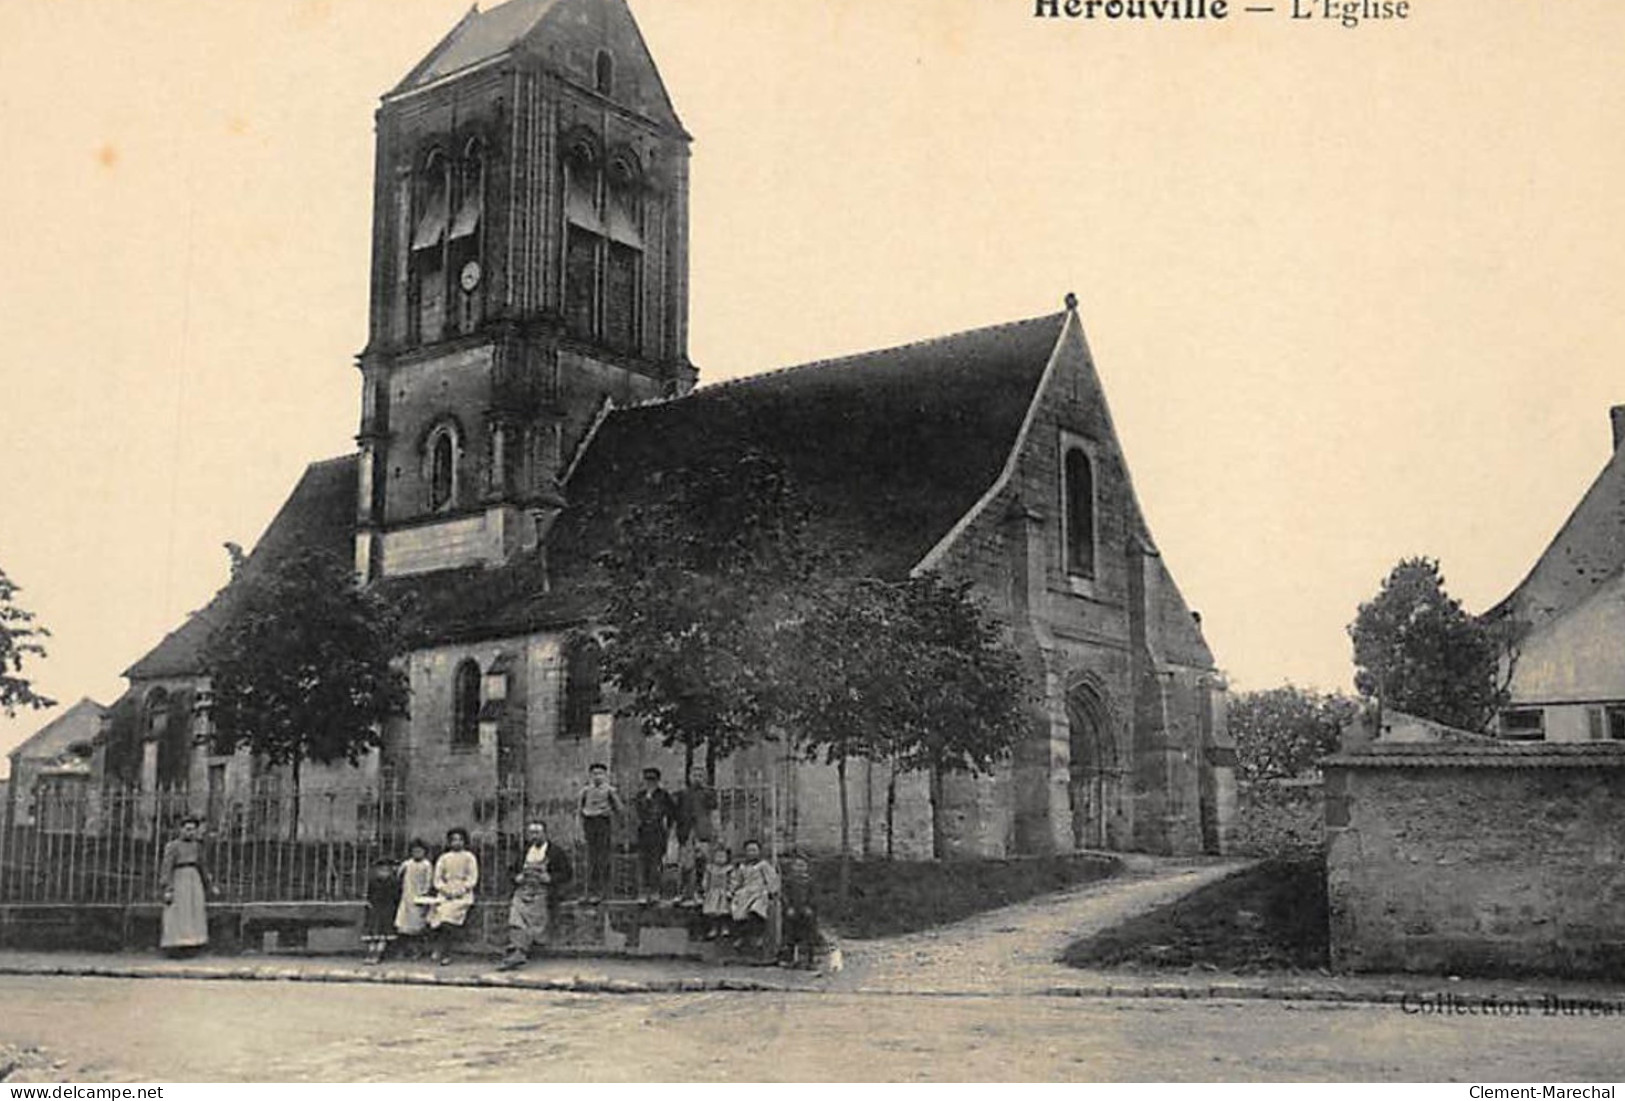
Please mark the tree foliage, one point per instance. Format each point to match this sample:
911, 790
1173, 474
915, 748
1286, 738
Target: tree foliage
304, 666
914, 672
20, 640
729, 623
1281, 732
698, 588
1416, 650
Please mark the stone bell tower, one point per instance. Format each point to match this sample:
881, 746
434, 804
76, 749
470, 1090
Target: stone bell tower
529, 264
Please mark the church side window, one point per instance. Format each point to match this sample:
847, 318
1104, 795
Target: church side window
442, 468
465, 721
1078, 477
429, 248
583, 686
604, 72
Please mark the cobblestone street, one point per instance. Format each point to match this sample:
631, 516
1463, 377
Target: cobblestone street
973, 1001
143, 1030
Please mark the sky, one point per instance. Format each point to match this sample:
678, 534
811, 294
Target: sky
1352, 292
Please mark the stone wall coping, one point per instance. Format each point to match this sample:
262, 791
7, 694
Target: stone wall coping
1482, 755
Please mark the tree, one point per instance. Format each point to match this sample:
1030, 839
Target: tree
1416, 650
729, 621
965, 694
698, 588
912, 672
1280, 733
305, 664
20, 639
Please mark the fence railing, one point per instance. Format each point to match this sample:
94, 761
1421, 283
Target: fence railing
80, 844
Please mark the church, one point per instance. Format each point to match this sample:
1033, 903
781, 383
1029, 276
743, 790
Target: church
526, 377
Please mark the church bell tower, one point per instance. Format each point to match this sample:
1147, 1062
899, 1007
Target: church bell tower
529, 265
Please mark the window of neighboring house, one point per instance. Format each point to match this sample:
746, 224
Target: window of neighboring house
465, 722
583, 686
1524, 724
442, 470
1078, 489
1607, 723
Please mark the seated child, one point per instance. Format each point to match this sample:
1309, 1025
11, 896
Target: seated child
717, 901
758, 887
383, 899
801, 940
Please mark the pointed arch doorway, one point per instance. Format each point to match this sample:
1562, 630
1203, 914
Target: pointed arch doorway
1092, 771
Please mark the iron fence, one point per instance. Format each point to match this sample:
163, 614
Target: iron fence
271, 844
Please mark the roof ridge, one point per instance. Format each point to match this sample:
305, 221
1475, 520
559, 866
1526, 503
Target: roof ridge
776, 372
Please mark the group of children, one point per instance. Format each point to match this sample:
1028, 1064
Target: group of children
738, 898
417, 903
420, 904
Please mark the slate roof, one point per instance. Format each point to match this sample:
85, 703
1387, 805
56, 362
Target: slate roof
1587, 551
889, 449
478, 36
54, 737
320, 513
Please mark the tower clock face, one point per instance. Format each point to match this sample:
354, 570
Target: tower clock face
470, 277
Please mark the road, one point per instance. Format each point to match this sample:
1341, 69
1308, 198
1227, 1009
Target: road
182, 1031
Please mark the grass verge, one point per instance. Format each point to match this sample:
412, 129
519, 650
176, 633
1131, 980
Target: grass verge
1270, 917
892, 897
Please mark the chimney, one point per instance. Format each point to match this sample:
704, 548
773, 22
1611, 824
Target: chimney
1616, 418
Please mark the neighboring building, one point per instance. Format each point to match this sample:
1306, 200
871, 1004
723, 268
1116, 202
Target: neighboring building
526, 381
49, 787
1567, 683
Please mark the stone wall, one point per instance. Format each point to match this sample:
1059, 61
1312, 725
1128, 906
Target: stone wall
1491, 860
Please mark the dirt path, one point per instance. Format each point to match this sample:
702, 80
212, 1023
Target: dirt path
1014, 950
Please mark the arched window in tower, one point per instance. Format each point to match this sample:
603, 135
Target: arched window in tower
463, 238
604, 75
623, 268
465, 705
429, 248
584, 233
583, 686
442, 468
1079, 490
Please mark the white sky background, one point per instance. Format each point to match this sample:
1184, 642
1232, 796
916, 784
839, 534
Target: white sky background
1353, 294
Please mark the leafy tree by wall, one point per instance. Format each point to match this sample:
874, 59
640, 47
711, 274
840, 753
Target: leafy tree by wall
305, 665
1416, 650
1281, 732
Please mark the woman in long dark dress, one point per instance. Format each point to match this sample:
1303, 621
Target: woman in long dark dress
186, 889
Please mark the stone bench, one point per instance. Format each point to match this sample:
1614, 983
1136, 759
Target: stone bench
612, 928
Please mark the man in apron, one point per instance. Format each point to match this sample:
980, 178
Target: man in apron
543, 871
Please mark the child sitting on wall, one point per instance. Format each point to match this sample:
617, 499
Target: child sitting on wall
757, 889
716, 903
